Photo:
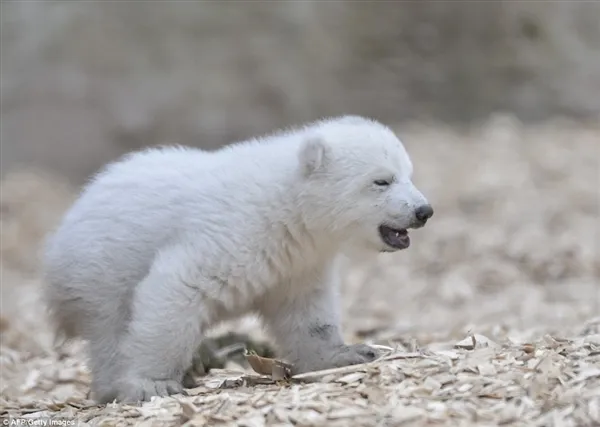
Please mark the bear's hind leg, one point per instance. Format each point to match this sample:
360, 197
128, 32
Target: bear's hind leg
165, 330
103, 349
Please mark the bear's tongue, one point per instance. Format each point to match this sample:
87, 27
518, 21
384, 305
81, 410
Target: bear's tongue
397, 238
400, 237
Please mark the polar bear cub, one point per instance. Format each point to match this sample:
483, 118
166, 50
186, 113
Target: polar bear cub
166, 242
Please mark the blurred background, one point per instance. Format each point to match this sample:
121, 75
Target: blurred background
82, 82
498, 103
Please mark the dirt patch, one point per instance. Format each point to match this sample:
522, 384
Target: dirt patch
490, 318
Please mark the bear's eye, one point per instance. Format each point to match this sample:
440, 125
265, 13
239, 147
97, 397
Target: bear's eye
382, 182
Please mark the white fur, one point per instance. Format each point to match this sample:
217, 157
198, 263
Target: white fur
166, 242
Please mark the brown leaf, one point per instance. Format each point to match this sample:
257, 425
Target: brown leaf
260, 365
280, 371
276, 369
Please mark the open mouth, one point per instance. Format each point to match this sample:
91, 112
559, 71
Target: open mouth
396, 238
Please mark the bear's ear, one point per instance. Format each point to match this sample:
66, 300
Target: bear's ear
313, 155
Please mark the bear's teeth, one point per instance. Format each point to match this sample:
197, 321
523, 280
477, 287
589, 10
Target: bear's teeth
397, 233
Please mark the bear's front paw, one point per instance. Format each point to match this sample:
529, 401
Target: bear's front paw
354, 355
134, 390
334, 357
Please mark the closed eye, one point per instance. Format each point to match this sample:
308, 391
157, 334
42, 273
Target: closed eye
382, 182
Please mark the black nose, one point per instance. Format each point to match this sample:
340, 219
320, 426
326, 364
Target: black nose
423, 213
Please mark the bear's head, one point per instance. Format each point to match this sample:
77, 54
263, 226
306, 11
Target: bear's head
357, 184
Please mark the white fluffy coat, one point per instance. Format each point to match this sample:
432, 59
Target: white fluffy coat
166, 242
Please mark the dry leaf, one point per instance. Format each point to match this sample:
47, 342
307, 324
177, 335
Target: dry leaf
281, 371
260, 365
276, 369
